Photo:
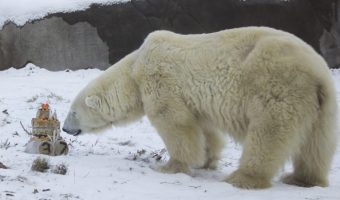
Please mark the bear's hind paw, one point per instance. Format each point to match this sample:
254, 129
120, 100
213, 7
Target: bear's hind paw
291, 179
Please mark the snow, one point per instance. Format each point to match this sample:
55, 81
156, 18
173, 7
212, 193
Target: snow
22, 11
118, 163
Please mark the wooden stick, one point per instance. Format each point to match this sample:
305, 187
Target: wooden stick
29, 133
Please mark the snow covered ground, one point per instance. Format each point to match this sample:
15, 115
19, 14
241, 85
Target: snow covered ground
115, 164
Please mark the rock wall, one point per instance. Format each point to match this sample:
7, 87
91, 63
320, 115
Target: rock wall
101, 35
54, 44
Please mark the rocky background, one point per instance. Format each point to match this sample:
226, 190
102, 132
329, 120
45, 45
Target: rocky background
101, 35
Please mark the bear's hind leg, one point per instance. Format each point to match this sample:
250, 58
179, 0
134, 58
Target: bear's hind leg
312, 162
268, 144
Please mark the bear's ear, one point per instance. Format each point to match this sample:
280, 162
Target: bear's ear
93, 101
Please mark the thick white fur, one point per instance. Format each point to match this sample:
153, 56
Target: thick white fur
268, 89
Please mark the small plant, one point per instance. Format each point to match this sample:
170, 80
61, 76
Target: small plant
40, 165
147, 157
60, 169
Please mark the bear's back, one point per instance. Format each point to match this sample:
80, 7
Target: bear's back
218, 73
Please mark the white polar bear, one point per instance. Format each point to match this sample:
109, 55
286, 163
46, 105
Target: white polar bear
267, 88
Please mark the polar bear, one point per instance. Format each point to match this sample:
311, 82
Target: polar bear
266, 88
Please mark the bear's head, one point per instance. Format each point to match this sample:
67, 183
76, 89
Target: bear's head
85, 116
104, 102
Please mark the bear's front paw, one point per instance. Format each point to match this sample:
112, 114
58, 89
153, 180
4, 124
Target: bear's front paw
242, 180
292, 179
173, 167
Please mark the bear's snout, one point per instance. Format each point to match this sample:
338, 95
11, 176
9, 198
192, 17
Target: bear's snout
72, 132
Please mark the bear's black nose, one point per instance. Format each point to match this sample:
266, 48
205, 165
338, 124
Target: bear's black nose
72, 132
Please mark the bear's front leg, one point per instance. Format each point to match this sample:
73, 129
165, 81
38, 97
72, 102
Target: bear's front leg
182, 136
186, 147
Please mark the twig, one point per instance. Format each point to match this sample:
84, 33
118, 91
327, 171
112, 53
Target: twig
192, 186
29, 133
172, 183
2, 166
86, 175
5, 144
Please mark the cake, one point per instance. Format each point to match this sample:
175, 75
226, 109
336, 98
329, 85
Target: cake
46, 137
